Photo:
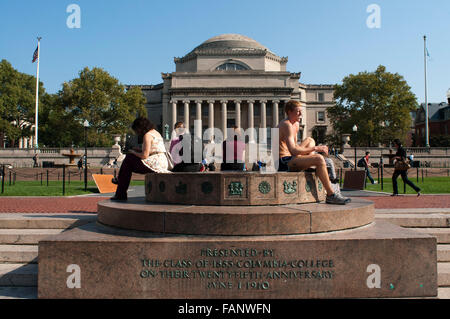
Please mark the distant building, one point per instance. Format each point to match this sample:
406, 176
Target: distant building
232, 80
438, 120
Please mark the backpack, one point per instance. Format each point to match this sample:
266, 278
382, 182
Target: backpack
362, 162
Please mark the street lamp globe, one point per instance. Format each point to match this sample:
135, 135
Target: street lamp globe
355, 128
86, 123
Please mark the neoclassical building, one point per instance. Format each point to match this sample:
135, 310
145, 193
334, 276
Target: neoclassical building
233, 80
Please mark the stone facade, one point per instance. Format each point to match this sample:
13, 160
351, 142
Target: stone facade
232, 80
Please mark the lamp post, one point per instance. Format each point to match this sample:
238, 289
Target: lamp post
355, 129
86, 125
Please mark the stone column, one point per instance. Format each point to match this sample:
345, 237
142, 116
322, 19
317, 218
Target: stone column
186, 115
174, 113
263, 121
198, 129
251, 120
275, 113
211, 118
21, 142
238, 113
224, 118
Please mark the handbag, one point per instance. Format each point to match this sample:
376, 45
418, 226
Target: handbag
401, 165
170, 162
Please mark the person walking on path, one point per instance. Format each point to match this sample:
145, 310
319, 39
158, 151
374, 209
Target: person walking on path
365, 162
400, 156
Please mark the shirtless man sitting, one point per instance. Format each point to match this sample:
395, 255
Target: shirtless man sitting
297, 157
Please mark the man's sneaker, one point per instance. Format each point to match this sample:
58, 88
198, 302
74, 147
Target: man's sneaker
337, 199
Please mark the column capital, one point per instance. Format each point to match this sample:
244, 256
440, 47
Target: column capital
224, 101
251, 101
173, 101
198, 101
186, 101
211, 101
276, 101
263, 101
237, 101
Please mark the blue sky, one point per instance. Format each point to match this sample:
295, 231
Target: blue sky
136, 40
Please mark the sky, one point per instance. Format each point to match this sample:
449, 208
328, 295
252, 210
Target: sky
136, 40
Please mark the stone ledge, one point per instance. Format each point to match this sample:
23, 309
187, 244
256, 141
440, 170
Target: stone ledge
118, 264
234, 188
137, 214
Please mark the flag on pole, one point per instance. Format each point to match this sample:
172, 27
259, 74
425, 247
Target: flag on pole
35, 54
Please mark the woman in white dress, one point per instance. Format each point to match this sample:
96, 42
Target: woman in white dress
150, 159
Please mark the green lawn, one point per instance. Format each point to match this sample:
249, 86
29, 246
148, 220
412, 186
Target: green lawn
430, 185
55, 188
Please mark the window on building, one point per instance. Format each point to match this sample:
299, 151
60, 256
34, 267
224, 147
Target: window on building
320, 97
230, 66
321, 116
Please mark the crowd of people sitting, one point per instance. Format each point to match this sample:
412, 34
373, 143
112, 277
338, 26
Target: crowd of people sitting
293, 156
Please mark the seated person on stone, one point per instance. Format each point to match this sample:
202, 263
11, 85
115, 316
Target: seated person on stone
150, 159
188, 144
233, 152
177, 132
303, 156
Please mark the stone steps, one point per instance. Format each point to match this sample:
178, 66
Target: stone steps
434, 220
47, 221
444, 274
20, 234
18, 253
25, 236
442, 234
19, 237
443, 252
12, 275
18, 292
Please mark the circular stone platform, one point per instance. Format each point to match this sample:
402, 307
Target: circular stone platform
233, 188
137, 214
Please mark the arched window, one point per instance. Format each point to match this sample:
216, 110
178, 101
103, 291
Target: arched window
230, 66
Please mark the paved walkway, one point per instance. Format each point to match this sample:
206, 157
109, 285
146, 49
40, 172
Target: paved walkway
88, 204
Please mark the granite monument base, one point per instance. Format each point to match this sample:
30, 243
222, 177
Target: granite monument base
372, 261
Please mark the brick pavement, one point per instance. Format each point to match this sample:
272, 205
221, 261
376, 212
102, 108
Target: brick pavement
86, 204
79, 204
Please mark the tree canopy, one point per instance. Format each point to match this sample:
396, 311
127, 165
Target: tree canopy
17, 102
94, 96
100, 99
379, 103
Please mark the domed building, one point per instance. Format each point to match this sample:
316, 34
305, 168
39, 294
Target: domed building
232, 80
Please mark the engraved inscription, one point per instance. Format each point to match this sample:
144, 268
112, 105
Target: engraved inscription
238, 268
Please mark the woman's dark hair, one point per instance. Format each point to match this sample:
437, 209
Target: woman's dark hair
143, 124
397, 142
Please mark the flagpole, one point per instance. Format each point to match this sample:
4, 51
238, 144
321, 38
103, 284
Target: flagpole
427, 135
36, 145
